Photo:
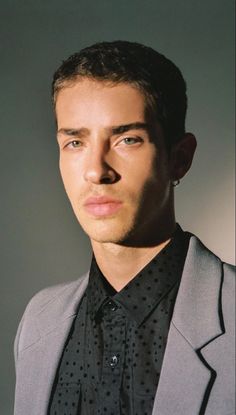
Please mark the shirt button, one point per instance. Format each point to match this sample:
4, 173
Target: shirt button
113, 361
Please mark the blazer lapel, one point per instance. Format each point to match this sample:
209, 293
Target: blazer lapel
38, 362
186, 377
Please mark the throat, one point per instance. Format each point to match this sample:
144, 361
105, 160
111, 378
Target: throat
120, 264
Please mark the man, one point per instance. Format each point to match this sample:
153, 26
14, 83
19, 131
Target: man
149, 329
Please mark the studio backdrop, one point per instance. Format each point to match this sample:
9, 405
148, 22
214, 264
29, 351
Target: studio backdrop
41, 242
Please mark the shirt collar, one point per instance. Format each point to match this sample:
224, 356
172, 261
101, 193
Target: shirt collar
146, 290
99, 290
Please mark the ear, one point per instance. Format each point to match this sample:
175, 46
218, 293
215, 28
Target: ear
182, 156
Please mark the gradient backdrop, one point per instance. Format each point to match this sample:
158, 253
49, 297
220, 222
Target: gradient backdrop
41, 243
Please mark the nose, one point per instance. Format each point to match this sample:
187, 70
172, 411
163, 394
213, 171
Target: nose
97, 169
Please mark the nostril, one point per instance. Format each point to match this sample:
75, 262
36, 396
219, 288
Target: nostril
106, 180
109, 177
101, 174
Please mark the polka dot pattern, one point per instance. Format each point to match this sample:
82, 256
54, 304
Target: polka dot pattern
112, 360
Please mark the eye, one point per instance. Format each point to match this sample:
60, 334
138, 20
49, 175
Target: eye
74, 144
131, 140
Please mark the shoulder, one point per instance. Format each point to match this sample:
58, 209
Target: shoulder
202, 261
206, 268
228, 286
46, 307
229, 270
56, 292
197, 247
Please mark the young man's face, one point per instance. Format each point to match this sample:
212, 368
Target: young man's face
113, 163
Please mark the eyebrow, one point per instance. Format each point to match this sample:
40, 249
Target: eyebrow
118, 129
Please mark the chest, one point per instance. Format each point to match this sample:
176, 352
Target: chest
111, 361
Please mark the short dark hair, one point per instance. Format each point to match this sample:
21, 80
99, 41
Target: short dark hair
128, 62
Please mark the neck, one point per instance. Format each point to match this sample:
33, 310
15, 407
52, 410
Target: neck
120, 264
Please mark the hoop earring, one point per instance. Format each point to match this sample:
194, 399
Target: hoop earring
175, 182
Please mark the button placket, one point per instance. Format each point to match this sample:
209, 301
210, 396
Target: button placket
113, 354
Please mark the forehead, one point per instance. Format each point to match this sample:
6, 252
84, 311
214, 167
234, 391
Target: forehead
98, 102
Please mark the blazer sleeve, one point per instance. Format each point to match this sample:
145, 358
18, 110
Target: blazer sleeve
17, 340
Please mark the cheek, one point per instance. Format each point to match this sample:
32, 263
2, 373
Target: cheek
70, 175
139, 184
152, 179
150, 170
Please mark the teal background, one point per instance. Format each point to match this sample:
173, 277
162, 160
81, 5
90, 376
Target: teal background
41, 242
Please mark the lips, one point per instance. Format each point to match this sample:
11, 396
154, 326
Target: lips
102, 205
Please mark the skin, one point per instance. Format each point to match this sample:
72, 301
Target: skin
101, 157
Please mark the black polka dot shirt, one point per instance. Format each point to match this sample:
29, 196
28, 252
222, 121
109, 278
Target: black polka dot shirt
112, 359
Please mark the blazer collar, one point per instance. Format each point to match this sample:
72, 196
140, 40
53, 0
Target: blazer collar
195, 324
197, 312
61, 306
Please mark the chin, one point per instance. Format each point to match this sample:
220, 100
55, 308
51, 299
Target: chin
106, 231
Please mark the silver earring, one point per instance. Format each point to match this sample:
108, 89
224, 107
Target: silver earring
175, 182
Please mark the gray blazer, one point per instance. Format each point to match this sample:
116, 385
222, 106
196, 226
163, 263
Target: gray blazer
197, 375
